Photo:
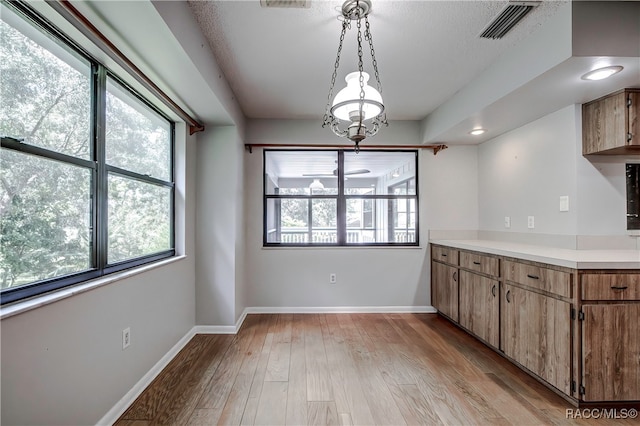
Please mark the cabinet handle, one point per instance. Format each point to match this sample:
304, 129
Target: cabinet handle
444, 255
455, 276
493, 290
619, 287
533, 277
507, 296
476, 263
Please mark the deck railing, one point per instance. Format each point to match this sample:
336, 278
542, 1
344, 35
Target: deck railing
329, 236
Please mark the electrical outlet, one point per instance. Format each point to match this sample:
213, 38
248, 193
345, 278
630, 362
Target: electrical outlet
531, 222
564, 203
126, 338
507, 222
333, 278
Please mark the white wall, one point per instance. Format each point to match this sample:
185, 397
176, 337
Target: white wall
525, 171
449, 188
367, 277
63, 363
220, 224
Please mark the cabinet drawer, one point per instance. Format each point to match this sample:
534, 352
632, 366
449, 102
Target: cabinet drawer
610, 286
538, 277
480, 263
444, 254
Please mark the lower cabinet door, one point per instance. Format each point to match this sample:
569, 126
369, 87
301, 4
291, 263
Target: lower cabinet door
536, 333
479, 306
611, 352
445, 289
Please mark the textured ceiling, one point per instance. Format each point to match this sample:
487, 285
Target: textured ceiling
278, 61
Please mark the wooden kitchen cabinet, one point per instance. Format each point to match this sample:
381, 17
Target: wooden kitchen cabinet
536, 333
610, 318
444, 289
480, 306
575, 330
610, 125
444, 281
611, 352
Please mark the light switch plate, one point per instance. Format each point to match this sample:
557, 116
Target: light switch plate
507, 222
564, 203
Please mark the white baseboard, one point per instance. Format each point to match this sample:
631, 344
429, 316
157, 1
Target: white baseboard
340, 309
222, 329
121, 406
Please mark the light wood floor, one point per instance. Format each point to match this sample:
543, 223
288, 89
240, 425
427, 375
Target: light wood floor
389, 369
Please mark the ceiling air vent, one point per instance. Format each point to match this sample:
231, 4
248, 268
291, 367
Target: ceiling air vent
301, 4
508, 18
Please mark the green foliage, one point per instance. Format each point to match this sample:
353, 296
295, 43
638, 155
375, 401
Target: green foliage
46, 213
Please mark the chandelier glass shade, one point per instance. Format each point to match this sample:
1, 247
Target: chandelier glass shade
357, 111
346, 104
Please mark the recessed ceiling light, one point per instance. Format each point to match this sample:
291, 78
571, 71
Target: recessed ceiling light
602, 73
477, 132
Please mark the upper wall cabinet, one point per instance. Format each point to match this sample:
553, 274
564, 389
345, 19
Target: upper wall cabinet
610, 124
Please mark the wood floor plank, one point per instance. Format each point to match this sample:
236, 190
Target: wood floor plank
160, 390
272, 404
179, 408
132, 423
297, 390
236, 402
322, 413
317, 370
345, 420
251, 407
383, 407
278, 365
347, 388
390, 369
414, 407
217, 391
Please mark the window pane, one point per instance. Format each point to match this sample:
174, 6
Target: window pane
45, 219
324, 213
367, 218
301, 172
46, 89
360, 225
381, 171
381, 221
139, 219
293, 223
137, 138
403, 215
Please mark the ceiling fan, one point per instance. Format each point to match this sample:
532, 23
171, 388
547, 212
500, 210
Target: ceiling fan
335, 173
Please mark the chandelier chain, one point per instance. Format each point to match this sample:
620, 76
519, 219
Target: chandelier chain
361, 77
326, 119
369, 38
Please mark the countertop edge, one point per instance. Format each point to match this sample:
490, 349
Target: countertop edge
574, 259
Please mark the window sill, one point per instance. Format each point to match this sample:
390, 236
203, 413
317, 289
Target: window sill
46, 299
340, 247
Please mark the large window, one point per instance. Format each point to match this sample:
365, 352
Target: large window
86, 165
340, 198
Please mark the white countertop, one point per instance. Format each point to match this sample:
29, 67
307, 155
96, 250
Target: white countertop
577, 259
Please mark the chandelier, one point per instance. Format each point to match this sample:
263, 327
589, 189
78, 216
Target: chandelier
358, 104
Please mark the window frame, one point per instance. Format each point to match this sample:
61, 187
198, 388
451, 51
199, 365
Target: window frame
97, 165
341, 200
